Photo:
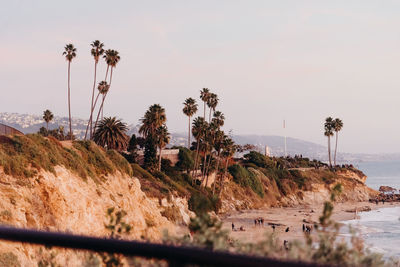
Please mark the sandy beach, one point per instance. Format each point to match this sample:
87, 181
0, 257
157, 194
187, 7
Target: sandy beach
292, 217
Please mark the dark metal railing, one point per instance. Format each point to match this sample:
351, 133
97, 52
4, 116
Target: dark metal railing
173, 254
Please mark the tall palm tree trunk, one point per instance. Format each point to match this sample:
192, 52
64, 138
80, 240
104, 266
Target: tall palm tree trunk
196, 160
223, 176
69, 99
216, 174
159, 159
104, 98
47, 125
204, 167
329, 151
334, 159
204, 116
189, 134
91, 107
207, 165
90, 119
209, 116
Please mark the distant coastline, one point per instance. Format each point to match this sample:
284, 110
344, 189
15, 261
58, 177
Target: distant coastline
28, 123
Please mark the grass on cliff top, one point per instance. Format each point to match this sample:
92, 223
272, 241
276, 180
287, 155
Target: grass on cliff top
24, 156
158, 185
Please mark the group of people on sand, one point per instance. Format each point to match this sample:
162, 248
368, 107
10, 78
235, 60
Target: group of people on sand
259, 221
241, 228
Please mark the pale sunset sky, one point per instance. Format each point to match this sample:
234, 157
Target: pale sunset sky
267, 60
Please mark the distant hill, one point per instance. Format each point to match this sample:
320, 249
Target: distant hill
27, 123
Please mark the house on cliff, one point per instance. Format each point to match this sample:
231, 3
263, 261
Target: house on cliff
171, 154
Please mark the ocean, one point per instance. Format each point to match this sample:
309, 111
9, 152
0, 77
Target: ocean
380, 228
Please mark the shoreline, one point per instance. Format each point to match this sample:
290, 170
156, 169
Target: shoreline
292, 217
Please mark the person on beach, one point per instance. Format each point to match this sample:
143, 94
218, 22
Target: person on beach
287, 230
233, 227
304, 227
286, 244
255, 222
273, 228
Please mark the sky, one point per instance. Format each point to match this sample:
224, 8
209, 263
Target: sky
301, 61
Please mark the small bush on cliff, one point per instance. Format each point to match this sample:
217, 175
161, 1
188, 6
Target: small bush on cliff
201, 203
119, 161
172, 213
245, 178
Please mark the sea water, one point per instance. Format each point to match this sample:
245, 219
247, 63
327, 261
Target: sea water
380, 228
381, 173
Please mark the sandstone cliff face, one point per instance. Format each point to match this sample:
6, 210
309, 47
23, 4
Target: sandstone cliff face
66, 202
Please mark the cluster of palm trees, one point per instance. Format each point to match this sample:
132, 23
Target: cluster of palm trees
111, 58
155, 131
332, 127
211, 144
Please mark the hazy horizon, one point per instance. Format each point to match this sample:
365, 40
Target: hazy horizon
301, 61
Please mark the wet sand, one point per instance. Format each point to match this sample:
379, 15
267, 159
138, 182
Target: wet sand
294, 218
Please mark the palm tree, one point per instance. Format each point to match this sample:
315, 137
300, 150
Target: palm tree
112, 58
199, 127
153, 119
162, 137
337, 127
228, 151
96, 51
189, 109
204, 96
102, 88
218, 145
69, 53
111, 133
47, 116
212, 103
328, 127
215, 126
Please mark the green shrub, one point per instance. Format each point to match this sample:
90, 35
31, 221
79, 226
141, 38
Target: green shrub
246, 178
298, 178
201, 203
119, 161
139, 172
170, 183
259, 160
186, 160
